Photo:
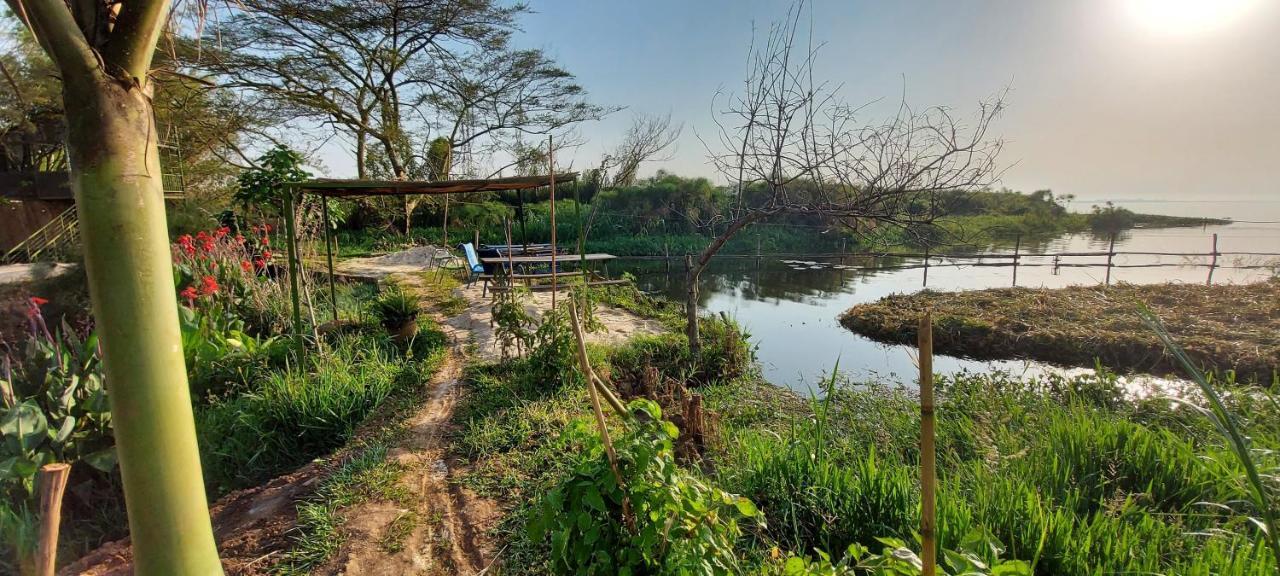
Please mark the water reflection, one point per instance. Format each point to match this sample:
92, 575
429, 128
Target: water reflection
790, 305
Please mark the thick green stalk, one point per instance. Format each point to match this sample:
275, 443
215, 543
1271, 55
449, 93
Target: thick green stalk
115, 171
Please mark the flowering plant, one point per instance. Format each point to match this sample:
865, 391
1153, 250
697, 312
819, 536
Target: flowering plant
223, 272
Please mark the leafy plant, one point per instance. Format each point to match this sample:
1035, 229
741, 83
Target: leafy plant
53, 406
264, 187
661, 519
897, 559
396, 307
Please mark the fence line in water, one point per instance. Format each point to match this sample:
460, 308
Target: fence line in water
1014, 259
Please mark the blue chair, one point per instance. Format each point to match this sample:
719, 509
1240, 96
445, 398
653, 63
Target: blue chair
474, 267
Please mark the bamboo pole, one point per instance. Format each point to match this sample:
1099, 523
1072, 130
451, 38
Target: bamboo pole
53, 481
328, 251
925, 281
444, 225
928, 472
292, 253
551, 165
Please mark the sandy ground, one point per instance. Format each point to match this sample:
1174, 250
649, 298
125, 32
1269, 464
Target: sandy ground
23, 273
409, 261
474, 326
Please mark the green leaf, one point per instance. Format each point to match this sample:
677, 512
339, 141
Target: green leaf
24, 425
104, 460
746, 507
1011, 568
593, 499
64, 432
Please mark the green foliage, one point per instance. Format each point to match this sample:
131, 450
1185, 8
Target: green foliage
661, 520
264, 187
291, 416
396, 307
53, 408
1111, 219
897, 559
726, 355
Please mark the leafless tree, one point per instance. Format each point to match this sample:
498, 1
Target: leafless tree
647, 139
789, 146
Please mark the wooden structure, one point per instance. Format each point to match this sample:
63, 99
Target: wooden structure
336, 188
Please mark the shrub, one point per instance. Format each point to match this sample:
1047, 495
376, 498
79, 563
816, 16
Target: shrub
661, 519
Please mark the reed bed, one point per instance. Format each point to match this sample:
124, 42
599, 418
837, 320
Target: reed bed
1223, 328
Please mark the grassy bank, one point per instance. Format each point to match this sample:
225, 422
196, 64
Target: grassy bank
1063, 473
1224, 328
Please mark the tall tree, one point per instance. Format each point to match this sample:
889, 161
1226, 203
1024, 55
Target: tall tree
103, 53
396, 73
789, 146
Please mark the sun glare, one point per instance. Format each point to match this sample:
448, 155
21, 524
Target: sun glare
1187, 17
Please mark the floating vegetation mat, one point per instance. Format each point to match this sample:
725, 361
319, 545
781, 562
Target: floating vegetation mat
1230, 327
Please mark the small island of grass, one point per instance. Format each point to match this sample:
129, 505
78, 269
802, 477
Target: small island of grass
1234, 327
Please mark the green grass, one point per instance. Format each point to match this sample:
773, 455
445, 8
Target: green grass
291, 416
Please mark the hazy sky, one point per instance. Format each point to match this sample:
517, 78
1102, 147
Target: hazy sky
1109, 99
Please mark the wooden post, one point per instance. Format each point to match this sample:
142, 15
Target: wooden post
1017, 247
328, 251
925, 282
1213, 262
1111, 251
53, 481
928, 471
758, 252
444, 225
1056, 260
551, 163
476, 242
291, 236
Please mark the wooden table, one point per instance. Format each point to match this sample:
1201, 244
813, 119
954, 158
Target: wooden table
559, 258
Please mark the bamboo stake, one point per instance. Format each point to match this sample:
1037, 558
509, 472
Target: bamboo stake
292, 253
1017, 247
599, 414
1111, 252
328, 250
551, 162
928, 472
53, 481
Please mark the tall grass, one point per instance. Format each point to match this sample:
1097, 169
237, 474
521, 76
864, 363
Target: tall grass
296, 414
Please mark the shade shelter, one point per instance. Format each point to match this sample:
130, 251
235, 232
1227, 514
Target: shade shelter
337, 188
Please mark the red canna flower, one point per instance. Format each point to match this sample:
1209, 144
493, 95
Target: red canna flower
266, 254
240, 239
246, 266
38, 301
209, 286
260, 263
220, 232
184, 240
190, 294
266, 228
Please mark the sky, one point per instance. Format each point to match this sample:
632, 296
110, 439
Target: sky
1117, 99
1108, 99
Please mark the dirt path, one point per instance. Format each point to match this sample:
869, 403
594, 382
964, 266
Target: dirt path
474, 326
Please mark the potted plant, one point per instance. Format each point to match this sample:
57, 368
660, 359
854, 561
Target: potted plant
398, 312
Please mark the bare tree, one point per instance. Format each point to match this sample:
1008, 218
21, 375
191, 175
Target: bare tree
648, 137
789, 146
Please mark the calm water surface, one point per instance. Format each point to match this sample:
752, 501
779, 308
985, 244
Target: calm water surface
791, 307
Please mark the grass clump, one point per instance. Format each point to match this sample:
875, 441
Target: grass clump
1231, 328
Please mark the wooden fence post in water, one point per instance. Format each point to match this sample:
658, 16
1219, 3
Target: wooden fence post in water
1017, 247
925, 282
1111, 252
53, 481
1213, 262
928, 472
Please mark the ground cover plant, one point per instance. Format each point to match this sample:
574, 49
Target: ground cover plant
1222, 328
1046, 476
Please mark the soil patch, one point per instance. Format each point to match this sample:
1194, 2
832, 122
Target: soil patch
1228, 327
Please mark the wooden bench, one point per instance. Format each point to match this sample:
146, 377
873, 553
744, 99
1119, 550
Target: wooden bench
543, 287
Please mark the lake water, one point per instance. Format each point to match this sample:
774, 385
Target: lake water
791, 308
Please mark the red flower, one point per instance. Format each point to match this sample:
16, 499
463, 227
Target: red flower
260, 263
266, 228
190, 294
239, 239
266, 254
220, 232
209, 286
246, 266
38, 301
184, 240
189, 249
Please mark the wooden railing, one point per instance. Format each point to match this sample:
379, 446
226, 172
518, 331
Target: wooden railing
60, 233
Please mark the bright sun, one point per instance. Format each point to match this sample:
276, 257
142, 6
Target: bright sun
1187, 17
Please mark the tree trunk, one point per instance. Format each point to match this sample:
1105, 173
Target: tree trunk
692, 273
115, 170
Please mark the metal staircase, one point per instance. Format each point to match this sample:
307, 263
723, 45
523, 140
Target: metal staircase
51, 240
